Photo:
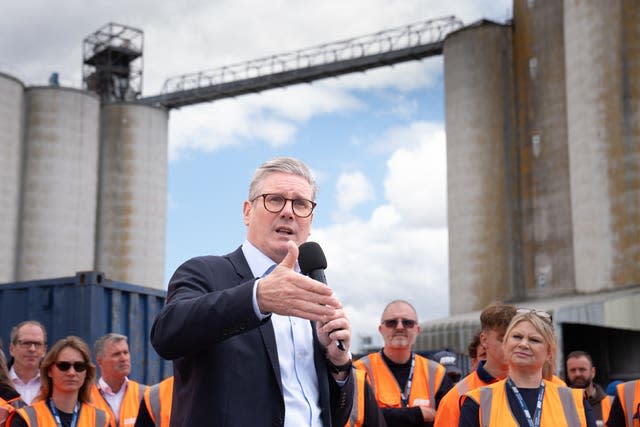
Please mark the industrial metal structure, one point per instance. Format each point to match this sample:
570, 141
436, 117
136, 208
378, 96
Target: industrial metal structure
89, 305
112, 62
388, 47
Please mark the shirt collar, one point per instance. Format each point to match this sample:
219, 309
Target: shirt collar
102, 385
257, 260
14, 376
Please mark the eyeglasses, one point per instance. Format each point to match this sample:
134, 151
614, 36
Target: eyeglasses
541, 314
392, 323
27, 344
274, 203
77, 366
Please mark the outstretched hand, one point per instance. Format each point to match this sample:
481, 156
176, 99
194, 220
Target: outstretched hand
289, 293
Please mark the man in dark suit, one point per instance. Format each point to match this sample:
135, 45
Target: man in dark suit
253, 342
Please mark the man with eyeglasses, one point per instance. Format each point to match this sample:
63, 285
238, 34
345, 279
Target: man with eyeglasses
253, 342
27, 348
408, 387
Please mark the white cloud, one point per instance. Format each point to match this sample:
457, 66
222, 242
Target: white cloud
400, 252
352, 190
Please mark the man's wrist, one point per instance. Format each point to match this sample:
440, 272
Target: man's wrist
336, 369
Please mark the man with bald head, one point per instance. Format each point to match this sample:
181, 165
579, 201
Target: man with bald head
408, 387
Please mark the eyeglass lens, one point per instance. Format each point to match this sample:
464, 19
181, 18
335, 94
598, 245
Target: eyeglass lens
274, 203
28, 344
392, 323
77, 366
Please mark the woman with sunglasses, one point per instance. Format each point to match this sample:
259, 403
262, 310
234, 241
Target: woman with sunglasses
527, 397
67, 374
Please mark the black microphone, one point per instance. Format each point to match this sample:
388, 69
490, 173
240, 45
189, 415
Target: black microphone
312, 263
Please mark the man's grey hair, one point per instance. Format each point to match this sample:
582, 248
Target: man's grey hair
284, 165
16, 329
98, 347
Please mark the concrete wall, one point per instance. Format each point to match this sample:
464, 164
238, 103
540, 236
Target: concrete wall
57, 227
479, 117
603, 98
11, 125
132, 194
545, 204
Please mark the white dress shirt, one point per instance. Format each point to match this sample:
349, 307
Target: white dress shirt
113, 399
294, 339
29, 390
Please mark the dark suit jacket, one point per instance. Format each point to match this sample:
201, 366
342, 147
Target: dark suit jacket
225, 359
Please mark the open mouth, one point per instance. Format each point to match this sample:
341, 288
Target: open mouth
285, 231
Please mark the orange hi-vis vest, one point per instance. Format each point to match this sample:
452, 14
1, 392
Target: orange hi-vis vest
629, 396
561, 406
39, 415
158, 399
427, 378
356, 418
603, 408
128, 408
448, 413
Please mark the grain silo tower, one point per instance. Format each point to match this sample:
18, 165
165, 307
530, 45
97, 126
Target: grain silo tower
479, 119
603, 108
132, 188
11, 133
57, 226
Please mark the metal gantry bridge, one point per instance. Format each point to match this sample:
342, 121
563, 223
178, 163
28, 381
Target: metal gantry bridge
388, 47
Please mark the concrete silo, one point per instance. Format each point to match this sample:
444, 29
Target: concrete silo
11, 134
480, 168
546, 233
603, 106
57, 226
132, 193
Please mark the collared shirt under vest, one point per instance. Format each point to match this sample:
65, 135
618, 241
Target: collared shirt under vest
39, 415
427, 378
561, 406
128, 408
157, 399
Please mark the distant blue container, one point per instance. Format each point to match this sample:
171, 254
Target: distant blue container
89, 306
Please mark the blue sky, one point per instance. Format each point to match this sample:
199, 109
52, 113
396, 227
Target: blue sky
375, 141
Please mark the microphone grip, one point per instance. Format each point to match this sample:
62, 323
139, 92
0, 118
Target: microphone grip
318, 275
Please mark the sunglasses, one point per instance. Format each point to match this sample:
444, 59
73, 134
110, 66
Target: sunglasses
392, 323
77, 366
541, 314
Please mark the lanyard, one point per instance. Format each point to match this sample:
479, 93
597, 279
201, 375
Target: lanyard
407, 388
535, 422
54, 411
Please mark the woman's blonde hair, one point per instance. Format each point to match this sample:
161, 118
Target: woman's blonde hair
542, 323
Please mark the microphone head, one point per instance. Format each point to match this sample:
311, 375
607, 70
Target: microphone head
311, 257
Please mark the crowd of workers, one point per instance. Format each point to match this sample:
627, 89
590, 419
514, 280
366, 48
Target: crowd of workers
255, 343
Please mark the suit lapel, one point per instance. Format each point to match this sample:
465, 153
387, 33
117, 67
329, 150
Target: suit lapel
266, 328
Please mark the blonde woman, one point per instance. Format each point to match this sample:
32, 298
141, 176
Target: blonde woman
527, 397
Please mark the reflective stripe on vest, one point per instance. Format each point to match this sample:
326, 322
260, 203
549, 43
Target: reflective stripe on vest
154, 402
486, 398
356, 418
101, 417
33, 416
629, 390
568, 406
